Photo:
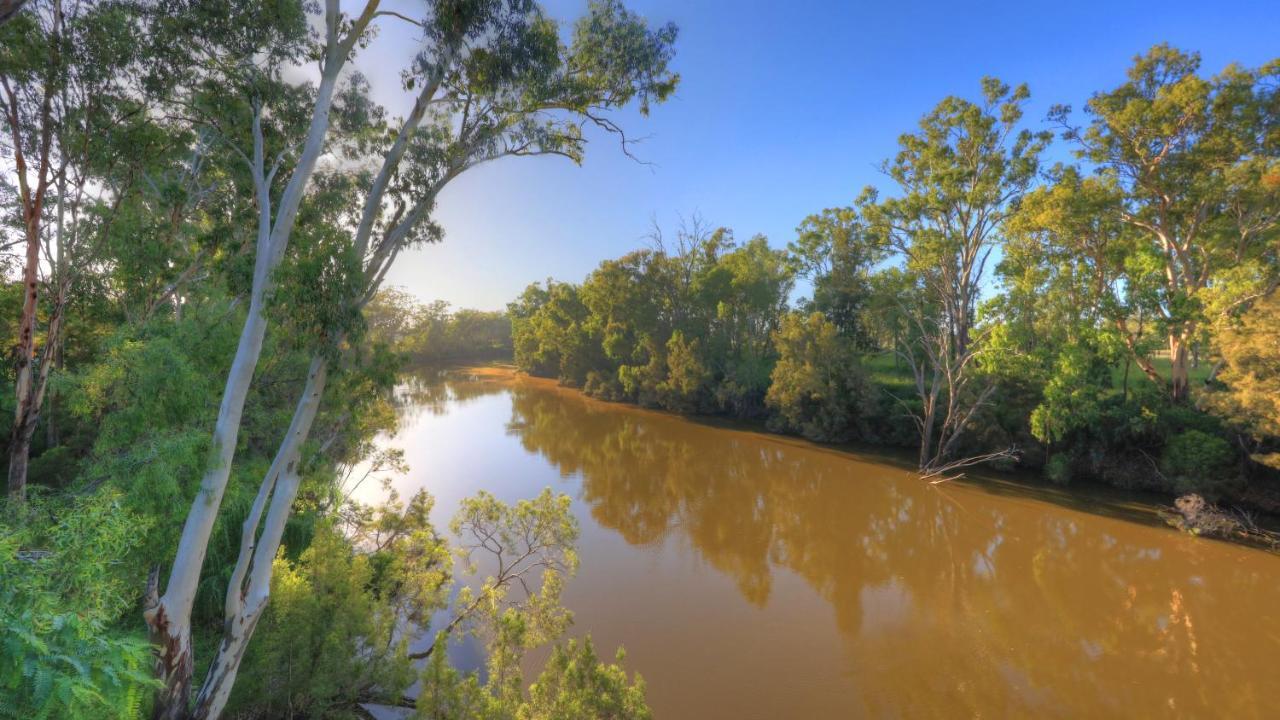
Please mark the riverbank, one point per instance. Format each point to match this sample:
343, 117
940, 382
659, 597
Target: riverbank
1247, 523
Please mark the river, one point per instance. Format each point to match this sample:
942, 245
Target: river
754, 576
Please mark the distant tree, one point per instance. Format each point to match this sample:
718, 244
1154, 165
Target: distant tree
685, 325
885, 320
391, 316
69, 81
551, 334
685, 387
433, 333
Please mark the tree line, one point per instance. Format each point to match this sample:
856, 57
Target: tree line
434, 334
1110, 318
201, 202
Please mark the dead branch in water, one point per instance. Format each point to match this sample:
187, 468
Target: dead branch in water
935, 473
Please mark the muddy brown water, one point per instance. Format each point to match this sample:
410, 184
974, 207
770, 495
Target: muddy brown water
753, 576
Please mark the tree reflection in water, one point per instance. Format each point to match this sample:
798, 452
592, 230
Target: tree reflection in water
949, 600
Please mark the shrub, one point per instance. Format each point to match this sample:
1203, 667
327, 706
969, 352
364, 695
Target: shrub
1194, 459
687, 375
325, 639
1058, 469
63, 578
818, 389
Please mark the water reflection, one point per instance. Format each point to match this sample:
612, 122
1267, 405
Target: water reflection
440, 391
946, 601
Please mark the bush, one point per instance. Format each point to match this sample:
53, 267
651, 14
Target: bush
575, 684
818, 389
63, 578
1058, 469
326, 637
55, 467
687, 376
1196, 460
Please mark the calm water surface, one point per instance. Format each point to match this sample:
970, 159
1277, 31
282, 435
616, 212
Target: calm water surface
750, 576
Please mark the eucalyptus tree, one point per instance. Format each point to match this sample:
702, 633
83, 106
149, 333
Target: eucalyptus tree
1187, 168
493, 80
249, 47
835, 251
67, 80
961, 176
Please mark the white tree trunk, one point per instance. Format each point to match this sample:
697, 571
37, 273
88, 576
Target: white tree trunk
169, 616
247, 600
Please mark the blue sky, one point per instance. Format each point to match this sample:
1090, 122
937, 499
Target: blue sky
784, 108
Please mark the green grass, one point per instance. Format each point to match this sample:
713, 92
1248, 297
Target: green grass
888, 371
1197, 374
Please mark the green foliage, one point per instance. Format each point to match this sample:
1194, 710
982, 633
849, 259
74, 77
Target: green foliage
576, 685
1058, 469
529, 548
550, 333
151, 396
1164, 240
326, 638
1198, 461
64, 578
1073, 394
535, 536
313, 287
686, 328
433, 334
66, 665
1249, 395
1175, 224
961, 174
835, 250
687, 378
446, 694
818, 388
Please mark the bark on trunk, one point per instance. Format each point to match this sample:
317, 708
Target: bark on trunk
9, 8
32, 203
170, 621
23, 422
36, 385
246, 601
926, 437
174, 660
1179, 376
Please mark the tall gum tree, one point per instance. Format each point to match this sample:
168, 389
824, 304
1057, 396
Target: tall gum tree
168, 615
69, 81
493, 80
961, 175
1188, 166
31, 80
